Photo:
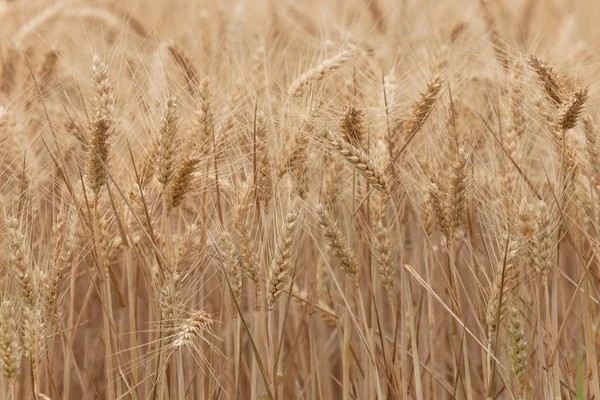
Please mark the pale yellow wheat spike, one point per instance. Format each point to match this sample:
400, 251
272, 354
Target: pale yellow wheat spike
10, 347
319, 71
102, 127
361, 161
167, 143
280, 269
336, 243
423, 107
517, 348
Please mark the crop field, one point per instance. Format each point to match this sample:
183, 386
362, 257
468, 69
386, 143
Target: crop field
319, 199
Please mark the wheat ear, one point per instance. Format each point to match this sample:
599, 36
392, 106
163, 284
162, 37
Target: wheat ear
10, 349
548, 78
336, 243
517, 347
318, 72
102, 127
422, 107
19, 261
182, 181
361, 161
352, 127
569, 114
167, 144
281, 265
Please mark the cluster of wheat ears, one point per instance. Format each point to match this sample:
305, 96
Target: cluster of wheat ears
367, 199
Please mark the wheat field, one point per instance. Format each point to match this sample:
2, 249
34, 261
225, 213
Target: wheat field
326, 199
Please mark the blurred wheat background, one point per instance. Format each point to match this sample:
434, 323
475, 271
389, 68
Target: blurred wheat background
340, 199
